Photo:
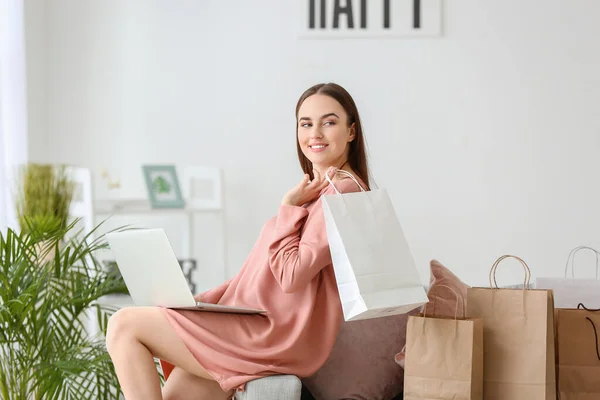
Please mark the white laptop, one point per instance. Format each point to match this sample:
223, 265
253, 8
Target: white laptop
152, 273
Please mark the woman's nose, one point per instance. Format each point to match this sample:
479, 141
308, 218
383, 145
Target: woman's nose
316, 133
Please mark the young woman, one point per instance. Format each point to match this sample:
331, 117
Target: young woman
288, 273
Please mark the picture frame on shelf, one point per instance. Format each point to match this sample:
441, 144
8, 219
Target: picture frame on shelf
163, 186
203, 187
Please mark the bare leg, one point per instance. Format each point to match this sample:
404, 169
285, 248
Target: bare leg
135, 335
182, 385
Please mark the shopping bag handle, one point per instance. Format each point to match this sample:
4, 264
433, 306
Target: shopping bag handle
495, 267
342, 172
581, 306
458, 298
572, 254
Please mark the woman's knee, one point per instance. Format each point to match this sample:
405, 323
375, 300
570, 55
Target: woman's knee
120, 326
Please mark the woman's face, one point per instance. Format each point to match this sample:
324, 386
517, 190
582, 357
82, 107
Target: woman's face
323, 132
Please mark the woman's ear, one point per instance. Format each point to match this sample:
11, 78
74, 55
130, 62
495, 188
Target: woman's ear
352, 134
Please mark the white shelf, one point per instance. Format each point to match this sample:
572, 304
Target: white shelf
142, 206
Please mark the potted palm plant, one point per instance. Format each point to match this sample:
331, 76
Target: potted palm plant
45, 194
46, 348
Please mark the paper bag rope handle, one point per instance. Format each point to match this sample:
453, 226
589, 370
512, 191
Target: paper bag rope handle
348, 174
579, 307
495, 267
458, 298
572, 254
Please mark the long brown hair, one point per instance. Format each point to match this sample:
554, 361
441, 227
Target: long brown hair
357, 157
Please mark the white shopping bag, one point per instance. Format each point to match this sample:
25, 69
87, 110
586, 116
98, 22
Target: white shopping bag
374, 267
568, 291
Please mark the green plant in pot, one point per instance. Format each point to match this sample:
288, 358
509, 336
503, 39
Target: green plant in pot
47, 350
45, 193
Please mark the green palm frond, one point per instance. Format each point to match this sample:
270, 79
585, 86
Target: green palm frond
49, 288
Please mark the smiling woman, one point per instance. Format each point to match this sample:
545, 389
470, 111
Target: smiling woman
289, 273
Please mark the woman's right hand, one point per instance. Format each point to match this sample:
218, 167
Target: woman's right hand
306, 190
198, 297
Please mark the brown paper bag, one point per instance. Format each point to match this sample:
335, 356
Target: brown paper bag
578, 332
444, 358
518, 336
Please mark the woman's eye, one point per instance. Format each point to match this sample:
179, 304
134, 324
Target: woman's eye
306, 125
327, 123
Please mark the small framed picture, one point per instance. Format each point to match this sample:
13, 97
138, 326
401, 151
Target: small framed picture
163, 186
202, 187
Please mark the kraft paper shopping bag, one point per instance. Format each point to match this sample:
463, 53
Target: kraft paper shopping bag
577, 332
518, 339
444, 357
374, 267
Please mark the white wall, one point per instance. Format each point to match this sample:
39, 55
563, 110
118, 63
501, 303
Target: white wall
488, 138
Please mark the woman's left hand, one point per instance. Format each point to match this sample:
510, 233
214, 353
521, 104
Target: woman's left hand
306, 190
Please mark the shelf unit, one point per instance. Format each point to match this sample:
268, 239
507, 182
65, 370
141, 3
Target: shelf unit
142, 207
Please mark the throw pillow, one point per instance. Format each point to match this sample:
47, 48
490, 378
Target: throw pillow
359, 366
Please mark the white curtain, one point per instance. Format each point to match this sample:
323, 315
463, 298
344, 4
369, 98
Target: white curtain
13, 112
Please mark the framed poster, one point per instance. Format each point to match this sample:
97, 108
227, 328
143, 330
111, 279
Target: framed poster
163, 186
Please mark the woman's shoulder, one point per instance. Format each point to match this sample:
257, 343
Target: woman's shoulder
345, 184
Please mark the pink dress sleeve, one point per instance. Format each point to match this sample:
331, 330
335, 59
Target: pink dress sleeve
214, 295
294, 257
